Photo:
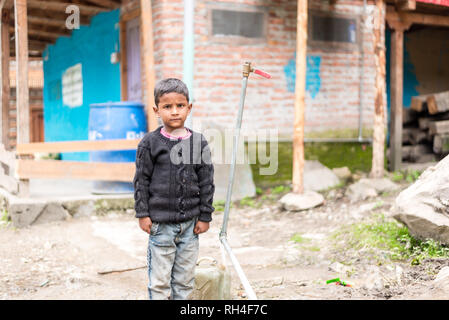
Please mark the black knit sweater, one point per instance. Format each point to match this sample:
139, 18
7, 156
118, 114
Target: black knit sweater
174, 179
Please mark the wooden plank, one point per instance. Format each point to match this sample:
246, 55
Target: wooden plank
409, 116
441, 143
405, 5
438, 127
73, 146
61, 6
146, 29
409, 18
396, 85
105, 3
417, 103
22, 95
414, 152
300, 87
438, 102
5, 88
54, 169
377, 169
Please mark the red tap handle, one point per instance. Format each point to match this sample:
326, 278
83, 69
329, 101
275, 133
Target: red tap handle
263, 74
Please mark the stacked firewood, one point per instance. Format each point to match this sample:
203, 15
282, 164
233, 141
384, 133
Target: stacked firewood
425, 133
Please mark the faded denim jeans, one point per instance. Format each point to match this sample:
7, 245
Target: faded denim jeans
172, 256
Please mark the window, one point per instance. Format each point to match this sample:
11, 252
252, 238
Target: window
333, 31
241, 24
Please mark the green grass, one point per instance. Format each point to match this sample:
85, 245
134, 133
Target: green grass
355, 156
298, 238
4, 218
385, 239
219, 205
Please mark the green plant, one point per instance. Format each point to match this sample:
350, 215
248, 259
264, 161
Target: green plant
280, 189
384, 238
259, 191
219, 205
413, 176
4, 217
298, 238
248, 201
397, 176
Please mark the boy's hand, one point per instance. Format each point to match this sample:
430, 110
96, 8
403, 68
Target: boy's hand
145, 224
201, 227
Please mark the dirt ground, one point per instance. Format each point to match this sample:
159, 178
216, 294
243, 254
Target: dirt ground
61, 260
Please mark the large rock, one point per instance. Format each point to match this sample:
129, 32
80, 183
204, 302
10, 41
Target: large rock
318, 177
424, 206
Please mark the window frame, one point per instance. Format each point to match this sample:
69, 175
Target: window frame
233, 39
333, 45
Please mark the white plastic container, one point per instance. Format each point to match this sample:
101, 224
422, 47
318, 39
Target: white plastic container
212, 281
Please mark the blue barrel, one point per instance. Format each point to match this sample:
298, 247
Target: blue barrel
115, 120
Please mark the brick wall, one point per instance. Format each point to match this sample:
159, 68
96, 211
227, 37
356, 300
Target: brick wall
332, 99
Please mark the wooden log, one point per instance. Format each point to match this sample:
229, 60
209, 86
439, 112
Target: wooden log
409, 116
427, 157
146, 31
5, 88
378, 158
418, 103
300, 92
441, 143
418, 136
438, 127
438, 102
396, 72
423, 123
413, 152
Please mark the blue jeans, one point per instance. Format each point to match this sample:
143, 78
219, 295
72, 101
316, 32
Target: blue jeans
172, 256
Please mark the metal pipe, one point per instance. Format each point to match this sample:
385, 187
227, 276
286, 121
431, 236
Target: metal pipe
359, 139
188, 51
223, 233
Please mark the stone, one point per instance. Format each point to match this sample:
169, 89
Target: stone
342, 173
318, 177
339, 268
52, 212
366, 188
24, 212
374, 280
297, 202
443, 275
424, 206
360, 191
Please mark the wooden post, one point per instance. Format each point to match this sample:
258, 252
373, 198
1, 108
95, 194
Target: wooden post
300, 90
377, 169
5, 88
396, 80
22, 91
146, 25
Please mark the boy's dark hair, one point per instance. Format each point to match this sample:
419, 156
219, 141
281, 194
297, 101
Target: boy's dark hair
170, 85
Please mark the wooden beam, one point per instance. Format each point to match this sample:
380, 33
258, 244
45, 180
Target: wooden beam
377, 169
146, 30
21, 36
6, 4
105, 3
61, 6
300, 91
73, 146
22, 90
409, 18
54, 169
47, 34
396, 83
57, 16
5, 88
404, 5
42, 21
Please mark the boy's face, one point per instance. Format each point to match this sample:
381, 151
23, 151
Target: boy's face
173, 109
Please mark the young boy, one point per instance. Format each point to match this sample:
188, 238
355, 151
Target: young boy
173, 193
